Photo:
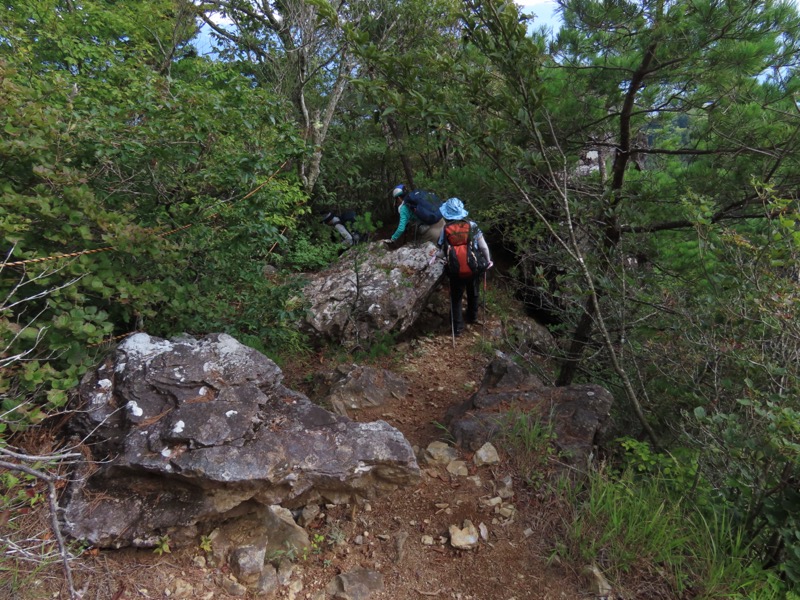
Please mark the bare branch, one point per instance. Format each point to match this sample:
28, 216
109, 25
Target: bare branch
61, 457
52, 498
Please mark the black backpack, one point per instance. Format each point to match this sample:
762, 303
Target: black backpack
425, 205
464, 260
348, 218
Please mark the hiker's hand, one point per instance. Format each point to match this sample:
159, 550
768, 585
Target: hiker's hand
388, 242
490, 265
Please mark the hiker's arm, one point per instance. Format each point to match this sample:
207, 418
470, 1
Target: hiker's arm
344, 233
484, 247
401, 226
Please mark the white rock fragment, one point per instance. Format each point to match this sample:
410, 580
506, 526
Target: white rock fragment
486, 455
597, 581
134, 409
458, 468
439, 453
506, 511
505, 487
464, 538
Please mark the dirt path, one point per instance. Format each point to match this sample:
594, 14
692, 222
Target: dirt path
404, 535
509, 565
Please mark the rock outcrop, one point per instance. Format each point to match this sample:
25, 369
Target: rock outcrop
370, 291
578, 414
354, 387
186, 434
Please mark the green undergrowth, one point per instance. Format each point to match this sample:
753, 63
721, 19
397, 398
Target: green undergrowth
655, 531
650, 523
529, 441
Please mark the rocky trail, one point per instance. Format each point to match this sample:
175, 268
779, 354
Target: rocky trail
397, 546
510, 559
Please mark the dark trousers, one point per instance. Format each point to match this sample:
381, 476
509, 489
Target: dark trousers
457, 287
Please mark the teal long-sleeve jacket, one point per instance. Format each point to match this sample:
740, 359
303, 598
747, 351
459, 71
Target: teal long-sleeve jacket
406, 217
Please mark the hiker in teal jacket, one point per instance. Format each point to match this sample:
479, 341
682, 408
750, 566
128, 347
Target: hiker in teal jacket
429, 233
405, 216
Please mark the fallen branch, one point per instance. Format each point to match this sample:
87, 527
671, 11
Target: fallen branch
52, 499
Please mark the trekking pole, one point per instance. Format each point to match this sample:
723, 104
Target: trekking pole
485, 286
452, 320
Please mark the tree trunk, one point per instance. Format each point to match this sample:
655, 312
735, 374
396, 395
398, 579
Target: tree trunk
585, 327
581, 335
395, 131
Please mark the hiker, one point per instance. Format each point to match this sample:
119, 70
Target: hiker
467, 257
344, 224
418, 207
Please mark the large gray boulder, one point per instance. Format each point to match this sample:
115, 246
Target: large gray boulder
578, 414
361, 386
187, 433
370, 290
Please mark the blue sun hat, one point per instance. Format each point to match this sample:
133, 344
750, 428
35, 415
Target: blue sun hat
399, 190
453, 210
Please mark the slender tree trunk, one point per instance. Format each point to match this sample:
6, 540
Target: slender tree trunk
585, 327
319, 129
395, 134
580, 337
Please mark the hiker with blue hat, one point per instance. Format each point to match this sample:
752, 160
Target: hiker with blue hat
466, 255
420, 208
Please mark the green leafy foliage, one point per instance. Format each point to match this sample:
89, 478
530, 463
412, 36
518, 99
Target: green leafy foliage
379, 347
729, 373
162, 547
641, 531
307, 253
110, 145
677, 471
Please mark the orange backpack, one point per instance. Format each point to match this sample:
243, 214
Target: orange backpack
463, 260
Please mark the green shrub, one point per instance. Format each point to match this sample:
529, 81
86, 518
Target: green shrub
644, 536
305, 252
171, 175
